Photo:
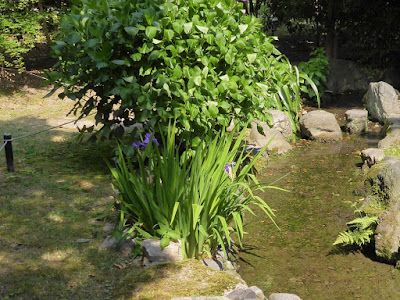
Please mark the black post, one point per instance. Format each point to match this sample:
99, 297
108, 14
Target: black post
9, 152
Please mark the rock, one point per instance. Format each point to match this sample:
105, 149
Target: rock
272, 137
372, 156
242, 294
320, 125
345, 77
356, 120
259, 293
109, 243
387, 178
152, 251
108, 227
81, 241
392, 132
213, 264
283, 296
126, 247
201, 298
381, 100
281, 122
387, 235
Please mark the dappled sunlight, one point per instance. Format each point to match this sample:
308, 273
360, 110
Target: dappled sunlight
55, 217
57, 255
58, 139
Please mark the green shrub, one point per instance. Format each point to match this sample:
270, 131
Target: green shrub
201, 62
200, 201
19, 31
317, 69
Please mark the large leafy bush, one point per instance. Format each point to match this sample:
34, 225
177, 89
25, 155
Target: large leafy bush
199, 200
201, 62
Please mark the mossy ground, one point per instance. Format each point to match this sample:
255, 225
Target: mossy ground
52, 200
299, 258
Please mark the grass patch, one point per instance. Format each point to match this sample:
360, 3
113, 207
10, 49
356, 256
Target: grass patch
179, 279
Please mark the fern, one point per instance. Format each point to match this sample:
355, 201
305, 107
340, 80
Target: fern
360, 232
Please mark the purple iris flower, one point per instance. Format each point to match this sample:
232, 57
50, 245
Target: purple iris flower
137, 145
143, 145
147, 138
228, 167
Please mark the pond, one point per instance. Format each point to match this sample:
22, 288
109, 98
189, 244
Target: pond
299, 258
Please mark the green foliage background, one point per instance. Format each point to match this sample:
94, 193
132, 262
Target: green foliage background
19, 31
199, 62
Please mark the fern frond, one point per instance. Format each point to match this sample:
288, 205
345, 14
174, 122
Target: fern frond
360, 233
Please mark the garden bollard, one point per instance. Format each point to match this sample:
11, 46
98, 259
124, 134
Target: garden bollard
9, 152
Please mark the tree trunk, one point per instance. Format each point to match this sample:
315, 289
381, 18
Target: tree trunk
331, 42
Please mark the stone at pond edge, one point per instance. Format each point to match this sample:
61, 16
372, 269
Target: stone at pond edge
320, 125
201, 298
372, 156
381, 101
283, 296
387, 236
356, 120
152, 251
242, 294
213, 264
258, 291
272, 137
392, 132
281, 122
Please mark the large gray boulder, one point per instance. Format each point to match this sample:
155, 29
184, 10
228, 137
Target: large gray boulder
281, 122
346, 76
381, 101
320, 125
272, 137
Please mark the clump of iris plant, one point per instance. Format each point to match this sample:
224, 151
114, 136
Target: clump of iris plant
147, 138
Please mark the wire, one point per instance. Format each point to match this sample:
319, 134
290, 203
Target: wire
5, 143
41, 131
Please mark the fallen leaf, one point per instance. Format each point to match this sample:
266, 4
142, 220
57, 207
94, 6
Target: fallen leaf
120, 266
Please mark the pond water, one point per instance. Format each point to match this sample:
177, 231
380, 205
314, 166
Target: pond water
299, 258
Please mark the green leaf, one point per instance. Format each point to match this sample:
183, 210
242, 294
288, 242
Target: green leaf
178, 27
154, 55
203, 29
151, 32
169, 34
118, 62
197, 80
243, 28
131, 30
164, 242
252, 57
230, 57
187, 27
224, 78
136, 56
